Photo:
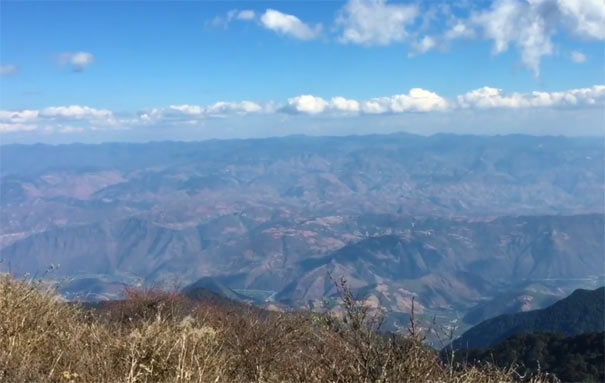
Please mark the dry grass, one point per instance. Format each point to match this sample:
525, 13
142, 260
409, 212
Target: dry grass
160, 337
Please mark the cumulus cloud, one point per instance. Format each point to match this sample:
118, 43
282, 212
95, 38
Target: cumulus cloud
18, 116
306, 103
374, 22
55, 117
76, 112
417, 100
8, 70
244, 107
273, 20
218, 108
341, 104
18, 120
77, 61
75, 118
578, 57
192, 110
150, 116
289, 25
192, 114
530, 25
527, 25
488, 98
585, 18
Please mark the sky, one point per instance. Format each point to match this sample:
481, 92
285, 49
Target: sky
75, 71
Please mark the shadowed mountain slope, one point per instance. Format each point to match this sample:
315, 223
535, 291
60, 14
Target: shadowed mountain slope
581, 312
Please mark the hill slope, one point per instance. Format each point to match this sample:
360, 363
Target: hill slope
581, 312
572, 359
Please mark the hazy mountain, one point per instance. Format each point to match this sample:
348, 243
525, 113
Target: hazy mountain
464, 223
581, 312
527, 298
180, 182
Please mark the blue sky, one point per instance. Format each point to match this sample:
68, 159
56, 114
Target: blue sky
96, 71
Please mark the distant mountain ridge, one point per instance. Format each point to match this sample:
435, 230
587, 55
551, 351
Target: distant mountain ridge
444, 175
581, 312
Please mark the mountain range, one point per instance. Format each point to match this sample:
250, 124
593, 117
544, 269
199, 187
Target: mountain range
471, 226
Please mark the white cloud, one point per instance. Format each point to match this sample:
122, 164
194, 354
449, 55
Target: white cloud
78, 61
424, 45
8, 70
194, 114
18, 120
218, 108
417, 100
13, 128
460, 30
375, 106
75, 118
374, 22
18, 116
151, 116
424, 101
289, 25
246, 15
488, 98
72, 117
530, 25
585, 18
193, 110
307, 104
578, 57
345, 105
527, 26
234, 14
76, 112
524, 24
223, 108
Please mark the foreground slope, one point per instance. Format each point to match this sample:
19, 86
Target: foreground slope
159, 337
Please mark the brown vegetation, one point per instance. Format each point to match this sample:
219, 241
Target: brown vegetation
154, 336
